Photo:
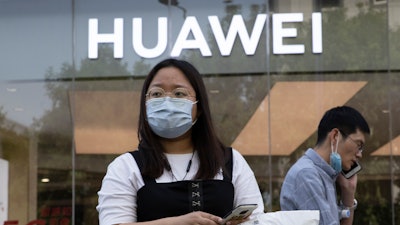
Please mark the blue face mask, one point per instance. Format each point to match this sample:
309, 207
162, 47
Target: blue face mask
335, 159
169, 117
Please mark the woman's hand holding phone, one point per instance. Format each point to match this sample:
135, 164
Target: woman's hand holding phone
239, 214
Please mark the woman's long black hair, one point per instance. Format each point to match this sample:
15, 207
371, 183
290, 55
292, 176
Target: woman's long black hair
210, 149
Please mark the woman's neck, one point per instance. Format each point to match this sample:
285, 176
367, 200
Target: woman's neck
178, 146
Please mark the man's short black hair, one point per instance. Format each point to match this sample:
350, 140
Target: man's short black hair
344, 118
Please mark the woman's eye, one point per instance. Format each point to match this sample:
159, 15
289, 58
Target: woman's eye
156, 94
180, 94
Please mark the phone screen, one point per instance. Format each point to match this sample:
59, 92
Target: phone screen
355, 168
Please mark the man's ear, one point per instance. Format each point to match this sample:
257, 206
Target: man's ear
333, 135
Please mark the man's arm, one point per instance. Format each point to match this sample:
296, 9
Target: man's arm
348, 189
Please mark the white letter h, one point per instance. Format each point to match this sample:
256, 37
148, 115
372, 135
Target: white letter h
95, 38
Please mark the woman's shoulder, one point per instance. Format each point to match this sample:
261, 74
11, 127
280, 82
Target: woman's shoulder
236, 155
238, 159
126, 156
123, 161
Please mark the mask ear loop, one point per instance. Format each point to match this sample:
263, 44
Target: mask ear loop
196, 118
335, 159
337, 144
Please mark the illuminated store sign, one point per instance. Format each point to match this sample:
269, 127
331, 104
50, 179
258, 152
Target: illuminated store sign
198, 41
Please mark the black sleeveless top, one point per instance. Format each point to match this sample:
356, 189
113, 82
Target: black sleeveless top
160, 200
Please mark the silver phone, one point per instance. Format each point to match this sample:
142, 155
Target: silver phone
240, 212
355, 168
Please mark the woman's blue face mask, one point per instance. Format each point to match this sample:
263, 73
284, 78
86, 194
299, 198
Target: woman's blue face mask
169, 117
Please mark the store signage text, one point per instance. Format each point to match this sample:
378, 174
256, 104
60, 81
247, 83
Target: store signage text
198, 41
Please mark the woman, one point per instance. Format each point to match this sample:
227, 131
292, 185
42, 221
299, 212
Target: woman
181, 173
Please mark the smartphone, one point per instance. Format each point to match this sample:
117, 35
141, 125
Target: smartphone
355, 168
240, 212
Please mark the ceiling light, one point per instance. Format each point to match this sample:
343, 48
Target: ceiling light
45, 180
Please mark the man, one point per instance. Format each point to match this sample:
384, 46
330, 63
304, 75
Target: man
310, 183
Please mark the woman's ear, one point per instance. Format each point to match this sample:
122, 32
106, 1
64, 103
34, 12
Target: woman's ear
198, 113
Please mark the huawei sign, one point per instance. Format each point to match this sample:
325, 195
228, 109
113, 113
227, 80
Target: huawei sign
191, 36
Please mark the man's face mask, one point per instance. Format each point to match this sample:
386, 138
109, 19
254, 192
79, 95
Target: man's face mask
336, 160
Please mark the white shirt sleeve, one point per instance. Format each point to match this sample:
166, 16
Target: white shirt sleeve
245, 184
117, 196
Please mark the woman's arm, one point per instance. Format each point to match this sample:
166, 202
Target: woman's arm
246, 187
117, 196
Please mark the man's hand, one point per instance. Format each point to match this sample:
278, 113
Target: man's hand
347, 189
